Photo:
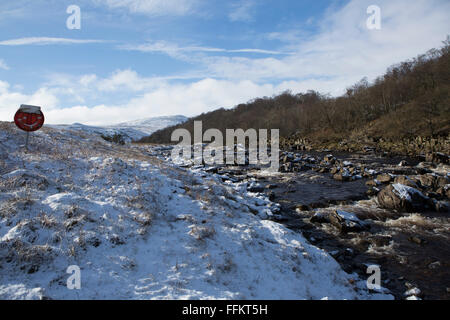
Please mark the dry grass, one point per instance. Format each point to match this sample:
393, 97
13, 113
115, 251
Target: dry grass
26, 256
202, 232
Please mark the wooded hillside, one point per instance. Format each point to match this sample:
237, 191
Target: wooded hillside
410, 101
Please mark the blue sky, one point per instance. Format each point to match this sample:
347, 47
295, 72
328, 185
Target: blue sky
134, 58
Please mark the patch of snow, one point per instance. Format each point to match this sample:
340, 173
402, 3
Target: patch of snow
131, 131
348, 216
405, 192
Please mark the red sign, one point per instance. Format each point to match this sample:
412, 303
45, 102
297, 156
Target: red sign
29, 118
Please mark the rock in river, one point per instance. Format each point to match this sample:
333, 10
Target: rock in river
346, 221
402, 198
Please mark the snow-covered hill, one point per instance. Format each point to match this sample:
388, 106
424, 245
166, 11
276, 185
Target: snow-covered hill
141, 228
132, 130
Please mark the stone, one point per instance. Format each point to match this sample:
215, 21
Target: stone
416, 240
441, 206
323, 170
434, 265
287, 167
405, 180
340, 177
441, 182
380, 240
255, 189
372, 183
403, 163
334, 170
426, 180
301, 207
402, 198
384, 178
372, 191
346, 221
320, 217
413, 292
437, 157
329, 158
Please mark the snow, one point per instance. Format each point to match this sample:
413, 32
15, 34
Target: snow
413, 292
405, 192
132, 130
348, 216
142, 228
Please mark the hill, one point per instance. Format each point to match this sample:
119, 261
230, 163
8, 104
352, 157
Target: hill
141, 228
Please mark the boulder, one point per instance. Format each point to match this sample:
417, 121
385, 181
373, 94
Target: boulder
287, 167
431, 181
407, 181
320, 217
368, 172
341, 177
323, 170
334, 170
440, 206
437, 157
330, 159
346, 221
255, 189
372, 183
372, 191
402, 198
384, 178
403, 163
441, 182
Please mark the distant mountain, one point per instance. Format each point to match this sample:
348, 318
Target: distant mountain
150, 125
130, 131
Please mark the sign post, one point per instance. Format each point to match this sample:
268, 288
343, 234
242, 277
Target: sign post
29, 118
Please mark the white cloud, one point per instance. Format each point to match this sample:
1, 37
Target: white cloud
127, 80
178, 52
159, 98
339, 54
242, 11
168, 99
344, 50
46, 41
11, 100
3, 65
153, 7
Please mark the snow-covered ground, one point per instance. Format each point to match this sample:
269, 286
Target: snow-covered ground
141, 228
132, 130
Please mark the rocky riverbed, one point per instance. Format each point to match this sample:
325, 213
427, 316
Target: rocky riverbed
364, 209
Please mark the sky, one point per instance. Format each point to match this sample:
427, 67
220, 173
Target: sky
133, 59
